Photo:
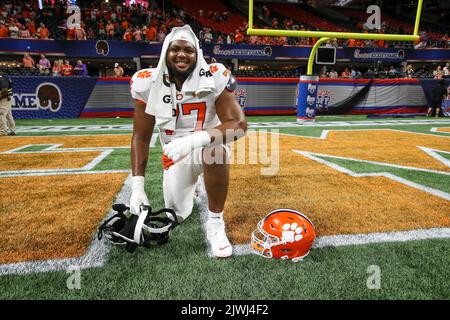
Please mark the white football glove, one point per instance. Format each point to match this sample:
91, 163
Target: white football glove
181, 147
138, 195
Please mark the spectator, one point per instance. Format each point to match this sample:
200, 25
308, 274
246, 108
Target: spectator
31, 25
110, 30
90, 34
370, 74
28, 61
13, 30
80, 34
66, 69
137, 34
4, 31
7, 124
128, 36
162, 34
422, 41
80, 69
43, 31
351, 43
208, 37
24, 32
392, 72
345, 74
118, 70
44, 66
238, 37
409, 72
57, 68
438, 73
444, 41
353, 73
70, 33
446, 70
150, 33
201, 34
438, 94
333, 74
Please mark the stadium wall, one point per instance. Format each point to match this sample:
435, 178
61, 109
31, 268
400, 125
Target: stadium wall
90, 97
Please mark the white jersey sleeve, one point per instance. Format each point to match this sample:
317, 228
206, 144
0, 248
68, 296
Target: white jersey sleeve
140, 84
221, 77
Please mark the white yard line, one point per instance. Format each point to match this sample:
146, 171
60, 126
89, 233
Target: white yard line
95, 256
364, 239
435, 192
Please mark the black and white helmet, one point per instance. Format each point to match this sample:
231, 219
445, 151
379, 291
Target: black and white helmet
133, 230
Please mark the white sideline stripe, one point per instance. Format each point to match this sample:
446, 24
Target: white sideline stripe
64, 150
74, 128
37, 173
337, 167
325, 133
345, 123
250, 125
95, 256
363, 239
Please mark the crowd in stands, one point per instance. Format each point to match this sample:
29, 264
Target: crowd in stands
353, 72
59, 68
101, 20
391, 72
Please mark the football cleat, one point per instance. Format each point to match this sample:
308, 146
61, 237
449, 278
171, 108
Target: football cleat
217, 238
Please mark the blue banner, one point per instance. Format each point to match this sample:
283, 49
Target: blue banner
375, 54
50, 97
121, 49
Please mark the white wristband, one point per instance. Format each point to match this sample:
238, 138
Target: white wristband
137, 183
200, 139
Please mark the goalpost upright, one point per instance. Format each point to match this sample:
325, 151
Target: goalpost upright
308, 83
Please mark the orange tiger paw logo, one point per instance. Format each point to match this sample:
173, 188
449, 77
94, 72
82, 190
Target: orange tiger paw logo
144, 74
213, 69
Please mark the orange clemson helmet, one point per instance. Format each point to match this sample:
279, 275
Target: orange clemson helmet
284, 234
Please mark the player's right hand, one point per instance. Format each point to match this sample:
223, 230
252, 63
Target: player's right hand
138, 196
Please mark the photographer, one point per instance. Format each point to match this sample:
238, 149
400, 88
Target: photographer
7, 125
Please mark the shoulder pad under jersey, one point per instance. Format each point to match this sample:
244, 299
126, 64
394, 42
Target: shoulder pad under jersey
141, 80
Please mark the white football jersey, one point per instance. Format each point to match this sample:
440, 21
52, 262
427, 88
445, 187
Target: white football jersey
193, 113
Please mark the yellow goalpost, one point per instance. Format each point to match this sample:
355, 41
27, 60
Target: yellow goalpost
326, 35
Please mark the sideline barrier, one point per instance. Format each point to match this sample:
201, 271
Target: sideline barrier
90, 97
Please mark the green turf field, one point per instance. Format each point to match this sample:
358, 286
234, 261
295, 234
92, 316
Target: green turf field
182, 269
